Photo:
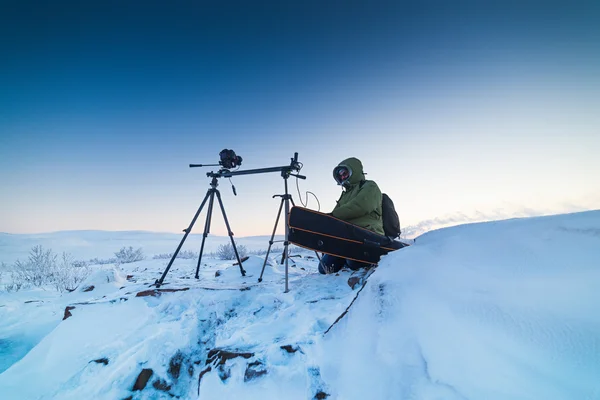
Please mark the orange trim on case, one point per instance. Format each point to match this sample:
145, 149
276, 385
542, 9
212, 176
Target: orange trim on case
335, 255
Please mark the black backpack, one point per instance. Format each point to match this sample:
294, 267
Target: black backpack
391, 222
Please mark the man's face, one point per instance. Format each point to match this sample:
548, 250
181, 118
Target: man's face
343, 174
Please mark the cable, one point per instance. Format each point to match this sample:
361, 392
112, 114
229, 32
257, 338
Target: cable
232, 187
304, 204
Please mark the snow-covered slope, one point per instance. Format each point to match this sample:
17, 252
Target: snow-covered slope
501, 310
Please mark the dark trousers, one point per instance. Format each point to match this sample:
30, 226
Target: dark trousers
332, 264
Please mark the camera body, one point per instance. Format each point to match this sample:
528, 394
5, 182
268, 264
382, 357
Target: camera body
229, 159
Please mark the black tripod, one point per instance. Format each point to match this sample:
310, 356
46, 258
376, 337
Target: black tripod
285, 203
210, 194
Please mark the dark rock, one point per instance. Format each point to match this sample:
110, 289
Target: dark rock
220, 356
321, 395
88, 288
68, 312
142, 379
254, 370
175, 365
242, 260
257, 311
128, 398
202, 373
289, 348
217, 274
129, 277
353, 281
161, 384
103, 360
33, 301
157, 292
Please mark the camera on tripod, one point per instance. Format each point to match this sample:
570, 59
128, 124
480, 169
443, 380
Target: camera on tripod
229, 159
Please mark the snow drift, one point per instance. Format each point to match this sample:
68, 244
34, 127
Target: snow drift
497, 310
500, 310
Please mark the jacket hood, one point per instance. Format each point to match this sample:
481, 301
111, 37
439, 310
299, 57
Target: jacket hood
356, 170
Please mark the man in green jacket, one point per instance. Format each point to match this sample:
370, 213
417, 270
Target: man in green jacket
359, 204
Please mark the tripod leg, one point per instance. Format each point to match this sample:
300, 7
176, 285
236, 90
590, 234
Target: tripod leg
187, 231
237, 256
284, 254
286, 243
285, 250
318, 257
206, 229
271, 241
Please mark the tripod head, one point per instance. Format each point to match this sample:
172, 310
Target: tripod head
228, 160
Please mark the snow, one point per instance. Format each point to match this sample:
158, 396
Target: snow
85, 245
496, 310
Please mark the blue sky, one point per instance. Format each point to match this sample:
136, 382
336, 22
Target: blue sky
459, 112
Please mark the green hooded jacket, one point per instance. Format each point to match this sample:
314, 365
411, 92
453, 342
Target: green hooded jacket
359, 204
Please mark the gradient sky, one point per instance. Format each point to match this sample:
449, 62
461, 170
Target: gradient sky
459, 110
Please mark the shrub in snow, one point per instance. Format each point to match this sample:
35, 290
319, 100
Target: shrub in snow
79, 263
226, 252
186, 254
43, 268
128, 255
97, 261
12, 287
69, 274
37, 270
262, 252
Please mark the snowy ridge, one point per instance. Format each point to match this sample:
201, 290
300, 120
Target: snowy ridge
500, 310
84, 245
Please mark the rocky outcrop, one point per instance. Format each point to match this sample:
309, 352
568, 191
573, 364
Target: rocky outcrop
68, 312
142, 379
